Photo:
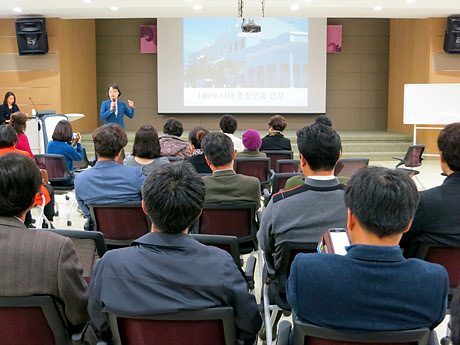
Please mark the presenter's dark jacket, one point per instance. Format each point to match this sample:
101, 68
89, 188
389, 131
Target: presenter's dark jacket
275, 141
36, 262
164, 273
371, 288
437, 218
110, 116
5, 112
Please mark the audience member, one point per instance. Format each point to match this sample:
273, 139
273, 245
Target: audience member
19, 123
225, 185
36, 262
8, 107
171, 143
195, 137
8, 140
251, 143
108, 182
114, 110
167, 270
437, 219
373, 287
324, 120
305, 213
146, 150
228, 126
62, 144
275, 140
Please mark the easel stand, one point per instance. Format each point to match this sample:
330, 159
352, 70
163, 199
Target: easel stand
415, 138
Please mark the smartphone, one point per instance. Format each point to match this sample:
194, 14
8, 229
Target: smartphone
74, 136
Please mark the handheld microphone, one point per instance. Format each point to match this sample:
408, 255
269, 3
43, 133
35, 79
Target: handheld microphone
116, 106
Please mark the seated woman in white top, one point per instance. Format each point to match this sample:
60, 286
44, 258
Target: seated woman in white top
146, 150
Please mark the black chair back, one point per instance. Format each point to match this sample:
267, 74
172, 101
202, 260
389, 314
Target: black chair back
213, 326
276, 155
31, 320
258, 167
346, 167
308, 334
121, 223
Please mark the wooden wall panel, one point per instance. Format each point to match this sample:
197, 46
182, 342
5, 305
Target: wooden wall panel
409, 63
63, 80
361, 70
77, 50
412, 45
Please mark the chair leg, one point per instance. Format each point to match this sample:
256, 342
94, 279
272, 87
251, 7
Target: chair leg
267, 318
69, 223
420, 183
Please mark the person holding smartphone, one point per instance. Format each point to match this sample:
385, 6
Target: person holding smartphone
113, 110
62, 144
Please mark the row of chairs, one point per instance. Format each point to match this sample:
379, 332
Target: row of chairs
36, 320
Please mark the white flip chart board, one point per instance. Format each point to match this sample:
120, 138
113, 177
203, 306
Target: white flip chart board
431, 104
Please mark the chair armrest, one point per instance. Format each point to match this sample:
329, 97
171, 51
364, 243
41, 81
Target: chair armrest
249, 272
77, 338
284, 329
92, 161
258, 216
272, 176
266, 196
399, 159
271, 273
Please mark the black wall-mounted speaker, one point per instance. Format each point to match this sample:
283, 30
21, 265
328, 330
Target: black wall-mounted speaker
31, 36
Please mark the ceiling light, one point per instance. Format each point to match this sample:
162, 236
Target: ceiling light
114, 8
197, 7
294, 7
17, 10
378, 8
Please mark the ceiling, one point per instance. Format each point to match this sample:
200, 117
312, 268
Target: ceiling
71, 9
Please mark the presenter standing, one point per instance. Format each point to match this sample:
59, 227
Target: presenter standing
113, 110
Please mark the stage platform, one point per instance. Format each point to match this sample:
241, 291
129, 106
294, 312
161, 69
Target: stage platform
375, 145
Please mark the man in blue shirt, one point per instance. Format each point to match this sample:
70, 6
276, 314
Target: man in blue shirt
373, 287
108, 182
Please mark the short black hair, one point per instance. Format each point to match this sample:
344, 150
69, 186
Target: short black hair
63, 131
8, 136
218, 148
228, 124
323, 119
173, 196
20, 180
115, 87
146, 143
173, 127
196, 136
449, 145
278, 123
382, 200
109, 139
320, 145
